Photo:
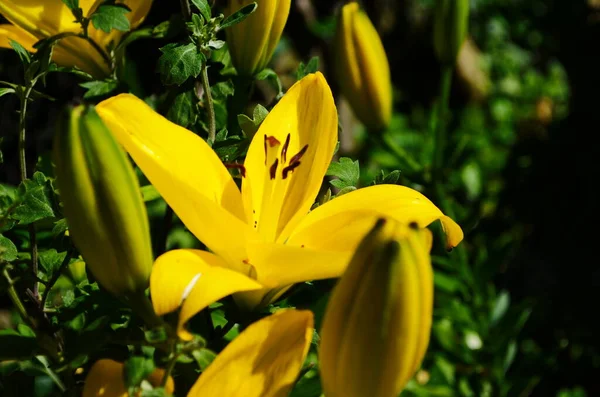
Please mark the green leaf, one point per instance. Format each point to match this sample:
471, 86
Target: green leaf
273, 78
137, 369
35, 200
14, 346
21, 52
251, 125
311, 67
156, 392
307, 387
60, 226
51, 260
108, 17
387, 179
347, 172
149, 193
99, 87
8, 251
179, 62
238, 16
203, 7
8, 90
500, 307
182, 110
204, 357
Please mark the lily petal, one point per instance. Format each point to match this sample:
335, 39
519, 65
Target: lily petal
289, 156
342, 222
186, 172
263, 361
40, 18
279, 266
105, 379
12, 32
193, 279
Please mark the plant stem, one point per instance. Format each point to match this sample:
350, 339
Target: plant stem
55, 277
14, 297
23, 169
441, 122
142, 307
212, 128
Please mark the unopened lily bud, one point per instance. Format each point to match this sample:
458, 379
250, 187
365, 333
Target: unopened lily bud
450, 25
362, 69
253, 41
102, 203
377, 323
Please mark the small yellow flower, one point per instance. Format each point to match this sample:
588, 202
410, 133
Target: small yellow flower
362, 69
253, 41
377, 323
263, 238
34, 20
102, 203
105, 379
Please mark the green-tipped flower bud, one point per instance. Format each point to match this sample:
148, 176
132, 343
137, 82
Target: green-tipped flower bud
362, 69
377, 323
450, 25
253, 41
102, 202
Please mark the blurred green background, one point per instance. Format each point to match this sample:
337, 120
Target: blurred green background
515, 309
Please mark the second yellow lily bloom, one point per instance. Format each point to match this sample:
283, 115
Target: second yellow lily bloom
34, 20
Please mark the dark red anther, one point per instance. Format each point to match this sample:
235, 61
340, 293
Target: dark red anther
272, 141
239, 167
265, 143
273, 169
289, 168
285, 148
298, 156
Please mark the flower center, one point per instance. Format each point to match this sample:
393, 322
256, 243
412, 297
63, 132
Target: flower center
272, 145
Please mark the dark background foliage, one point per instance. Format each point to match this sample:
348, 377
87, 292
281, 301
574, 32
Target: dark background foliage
519, 320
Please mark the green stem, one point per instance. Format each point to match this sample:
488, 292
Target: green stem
14, 297
142, 307
441, 122
55, 277
170, 366
23, 168
212, 127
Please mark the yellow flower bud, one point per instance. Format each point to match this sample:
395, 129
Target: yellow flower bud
102, 203
451, 20
362, 69
253, 41
377, 323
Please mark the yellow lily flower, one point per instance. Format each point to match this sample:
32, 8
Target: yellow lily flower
265, 233
253, 41
367, 352
105, 379
34, 20
362, 68
263, 361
